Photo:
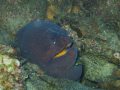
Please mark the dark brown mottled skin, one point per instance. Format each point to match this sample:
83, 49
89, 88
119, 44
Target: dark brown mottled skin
40, 41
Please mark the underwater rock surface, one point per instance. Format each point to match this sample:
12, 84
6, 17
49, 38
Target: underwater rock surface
48, 46
98, 69
38, 80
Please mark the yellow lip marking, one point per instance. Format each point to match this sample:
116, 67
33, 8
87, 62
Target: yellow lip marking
63, 52
60, 53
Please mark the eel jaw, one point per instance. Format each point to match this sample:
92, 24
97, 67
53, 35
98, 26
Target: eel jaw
64, 51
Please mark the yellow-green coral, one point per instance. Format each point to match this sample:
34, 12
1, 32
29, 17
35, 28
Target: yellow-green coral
8, 63
51, 12
10, 73
6, 49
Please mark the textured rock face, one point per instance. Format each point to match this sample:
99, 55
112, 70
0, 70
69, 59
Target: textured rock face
98, 69
40, 81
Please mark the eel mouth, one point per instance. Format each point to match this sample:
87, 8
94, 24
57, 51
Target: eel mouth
64, 51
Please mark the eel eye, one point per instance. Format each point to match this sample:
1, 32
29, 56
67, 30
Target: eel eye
54, 42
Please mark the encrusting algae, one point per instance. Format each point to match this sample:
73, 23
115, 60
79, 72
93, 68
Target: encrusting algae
76, 9
10, 73
51, 12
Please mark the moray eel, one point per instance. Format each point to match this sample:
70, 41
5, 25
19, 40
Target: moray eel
47, 45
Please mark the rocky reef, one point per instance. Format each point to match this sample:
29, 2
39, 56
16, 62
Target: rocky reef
94, 26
